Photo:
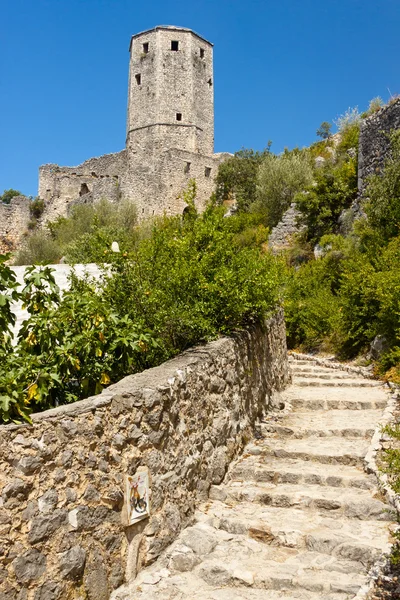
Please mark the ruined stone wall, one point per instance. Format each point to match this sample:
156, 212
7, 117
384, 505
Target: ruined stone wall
62, 529
374, 143
157, 187
14, 220
281, 236
59, 186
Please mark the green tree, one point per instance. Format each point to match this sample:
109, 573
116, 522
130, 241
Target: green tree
237, 177
279, 179
324, 130
8, 195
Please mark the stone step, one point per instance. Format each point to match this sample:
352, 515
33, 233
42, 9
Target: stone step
302, 361
309, 571
295, 368
297, 471
330, 450
333, 398
349, 539
336, 382
189, 586
355, 504
326, 376
345, 423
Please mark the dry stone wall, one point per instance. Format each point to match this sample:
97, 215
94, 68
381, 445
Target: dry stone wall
62, 528
282, 235
14, 221
374, 143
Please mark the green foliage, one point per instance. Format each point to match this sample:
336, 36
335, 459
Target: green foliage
374, 105
185, 281
312, 307
237, 176
68, 348
84, 236
334, 189
36, 208
324, 130
7, 195
195, 278
348, 119
38, 248
279, 179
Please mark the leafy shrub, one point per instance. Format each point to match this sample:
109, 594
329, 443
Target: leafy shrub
348, 119
38, 248
236, 179
84, 236
186, 281
36, 208
279, 179
333, 190
68, 348
311, 305
7, 195
194, 278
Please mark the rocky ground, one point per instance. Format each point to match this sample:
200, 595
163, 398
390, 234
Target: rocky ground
297, 516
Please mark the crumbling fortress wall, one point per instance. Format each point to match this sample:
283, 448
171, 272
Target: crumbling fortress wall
170, 133
63, 529
374, 143
14, 222
93, 180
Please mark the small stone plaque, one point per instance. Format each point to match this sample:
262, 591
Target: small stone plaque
138, 496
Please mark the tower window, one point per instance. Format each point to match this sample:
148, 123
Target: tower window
209, 82
207, 171
187, 167
179, 116
84, 189
138, 78
146, 48
201, 52
174, 45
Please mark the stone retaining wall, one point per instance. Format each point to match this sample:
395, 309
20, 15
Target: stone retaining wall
374, 144
62, 529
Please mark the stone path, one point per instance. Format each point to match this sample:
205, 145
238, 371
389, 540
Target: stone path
297, 516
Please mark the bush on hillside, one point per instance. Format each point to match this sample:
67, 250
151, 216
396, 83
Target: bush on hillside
186, 281
197, 277
38, 248
84, 236
236, 179
7, 195
333, 190
279, 179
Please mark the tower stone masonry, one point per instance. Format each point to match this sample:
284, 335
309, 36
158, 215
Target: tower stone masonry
169, 138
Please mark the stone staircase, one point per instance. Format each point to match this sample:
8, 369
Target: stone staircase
297, 516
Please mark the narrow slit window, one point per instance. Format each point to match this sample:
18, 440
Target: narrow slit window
201, 52
146, 48
187, 167
207, 171
209, 82
138, 78
174, 45
179, 116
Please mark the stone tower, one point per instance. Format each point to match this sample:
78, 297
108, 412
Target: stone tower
170, 95
170, 133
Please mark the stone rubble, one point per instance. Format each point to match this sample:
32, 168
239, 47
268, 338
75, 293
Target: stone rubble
297, 515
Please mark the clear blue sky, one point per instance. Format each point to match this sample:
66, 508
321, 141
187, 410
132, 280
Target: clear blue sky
280, 68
